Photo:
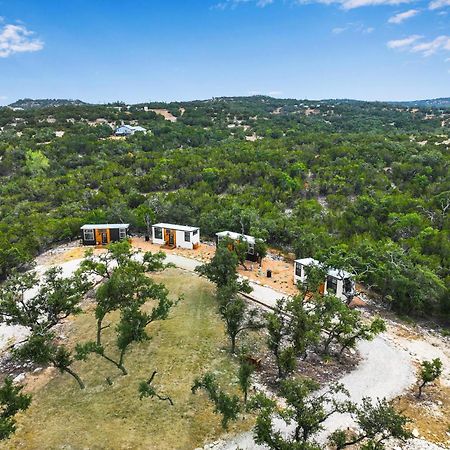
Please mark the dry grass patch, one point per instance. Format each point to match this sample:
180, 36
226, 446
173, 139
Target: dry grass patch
430, 415
186, 345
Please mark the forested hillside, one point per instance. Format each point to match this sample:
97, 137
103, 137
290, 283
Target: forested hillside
365, 183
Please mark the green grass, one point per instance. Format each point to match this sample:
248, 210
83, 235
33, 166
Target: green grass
186, 345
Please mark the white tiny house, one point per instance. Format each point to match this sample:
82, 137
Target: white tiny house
172, 235
250, 240
338, 282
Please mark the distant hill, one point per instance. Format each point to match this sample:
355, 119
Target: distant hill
429, 103
29, 103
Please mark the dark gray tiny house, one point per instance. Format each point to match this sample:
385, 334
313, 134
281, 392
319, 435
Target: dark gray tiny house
104, 233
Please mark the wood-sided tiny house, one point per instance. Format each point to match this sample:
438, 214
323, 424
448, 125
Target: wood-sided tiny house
250, 240
338, 282
103, 234
172, 236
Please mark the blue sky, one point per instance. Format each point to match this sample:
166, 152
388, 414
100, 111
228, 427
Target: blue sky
140, 50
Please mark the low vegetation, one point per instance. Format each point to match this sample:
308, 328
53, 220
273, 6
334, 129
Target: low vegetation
114, 409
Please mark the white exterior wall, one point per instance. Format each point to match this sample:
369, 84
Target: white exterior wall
298, 278
196, 238
180, 240
158, 241
302, 278
179, 236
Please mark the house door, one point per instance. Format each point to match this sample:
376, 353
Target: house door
102, 237
170, 237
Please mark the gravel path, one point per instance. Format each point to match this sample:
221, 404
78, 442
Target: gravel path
385, 371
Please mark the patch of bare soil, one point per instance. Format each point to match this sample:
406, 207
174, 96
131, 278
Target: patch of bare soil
322, 369
281, 265
430, 415
165, 113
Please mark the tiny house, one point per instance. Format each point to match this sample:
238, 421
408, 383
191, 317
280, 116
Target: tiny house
338, 282
250, 240
172, 235
103, 234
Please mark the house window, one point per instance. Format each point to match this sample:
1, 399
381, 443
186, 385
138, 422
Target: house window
194, 232
332, 285
348, 286
298, 269
187, 236
251, 249
88, 235
122, 233
158, 233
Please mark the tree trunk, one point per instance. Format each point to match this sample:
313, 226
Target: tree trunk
122, 357
420, 389
117, 364
233, 344
99, 332
74, 375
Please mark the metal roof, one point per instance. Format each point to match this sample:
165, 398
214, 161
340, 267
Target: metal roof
335, 273
98, 226
172, 226
236, 236
308, 262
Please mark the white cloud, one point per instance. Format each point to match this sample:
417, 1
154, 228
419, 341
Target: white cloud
234, 3
17, 39
401, 17
339, 30
356, 27
436, 4
275, 93
403, 43
352, 4
431, 47
425, 48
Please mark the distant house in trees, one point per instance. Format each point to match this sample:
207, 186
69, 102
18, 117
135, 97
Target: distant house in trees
172, 235
128, 130
250, 240
103, 234
338, 282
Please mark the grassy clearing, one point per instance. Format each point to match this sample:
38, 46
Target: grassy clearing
189, 343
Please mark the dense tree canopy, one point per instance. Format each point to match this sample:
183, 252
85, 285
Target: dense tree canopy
307, 176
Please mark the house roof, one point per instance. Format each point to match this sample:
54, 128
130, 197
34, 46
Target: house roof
308, 262
236, 236
172, 226
132, 128
335, 273
98, 226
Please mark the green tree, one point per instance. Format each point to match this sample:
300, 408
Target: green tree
235, 313
55, 299
146, 389
36, 162
277, 330
304, 412
12, 401
221, 270
227, 405
376, 423
429, 372
246, 369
